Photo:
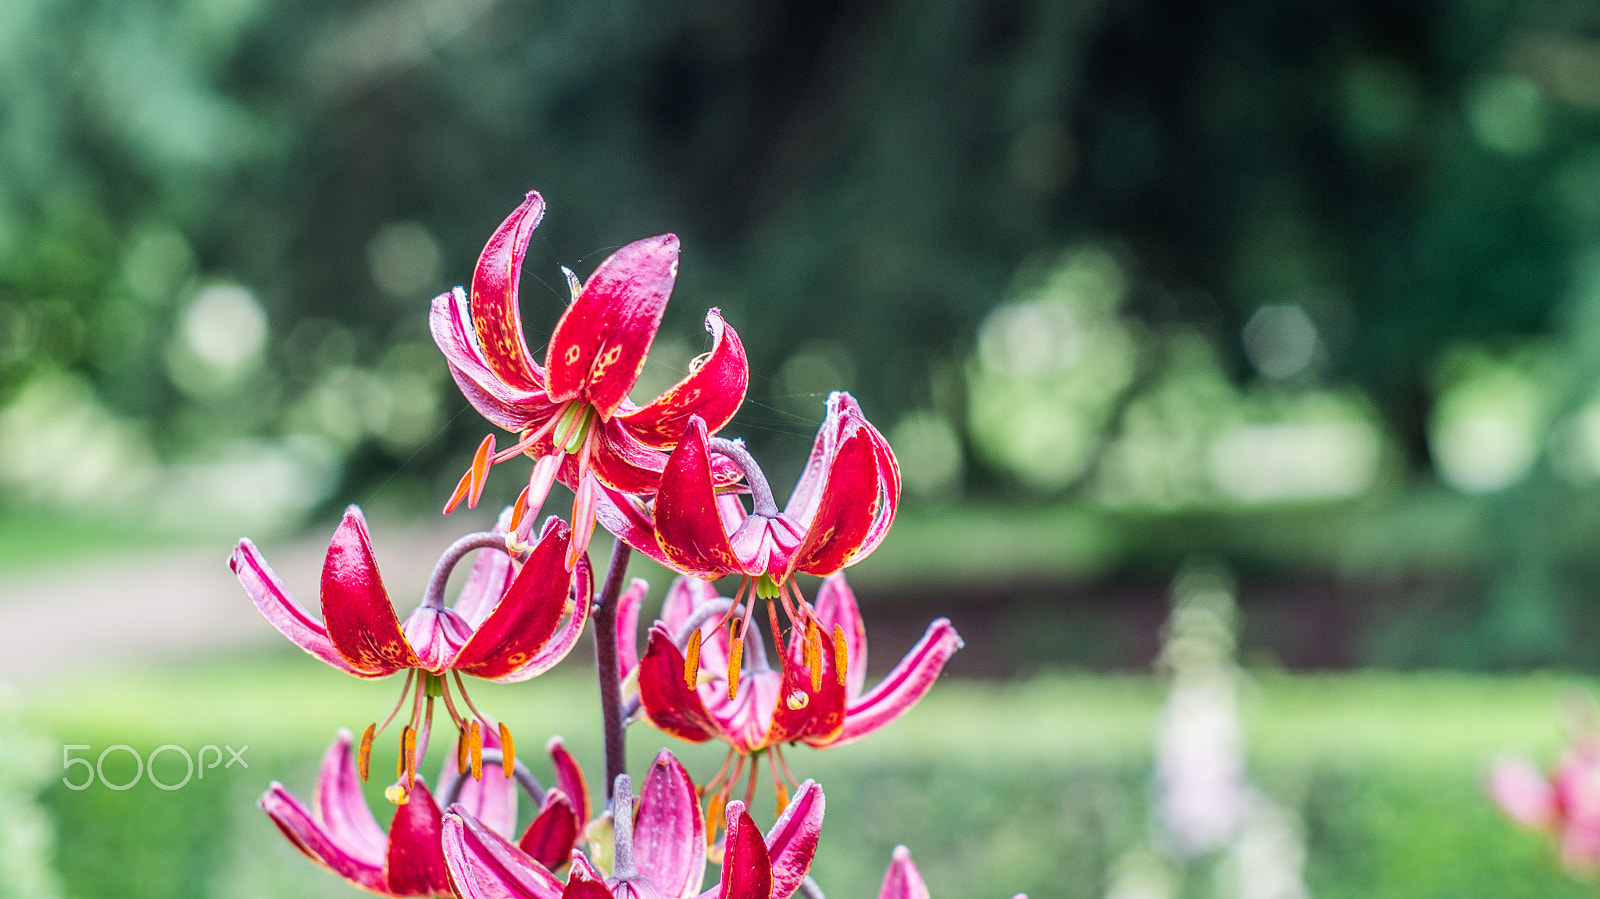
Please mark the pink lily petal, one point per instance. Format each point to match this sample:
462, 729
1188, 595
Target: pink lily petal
688, 522
903, 688
600, 343
569, 778
488, 578
355, 863
792, 841
342, 808
746, 868
746, 722
584, 882
628, 624
492, 800
712, 391
495, 313
671, 705
669, 839
355, 607
684, 598
850, 507
629, 521
823, 714
551, 836
450, 321
836, 605
415, 865
281, 609
620, 462
1523, 793
527, 615
436, 636
567, 637
807, 493
903, 880
483, 865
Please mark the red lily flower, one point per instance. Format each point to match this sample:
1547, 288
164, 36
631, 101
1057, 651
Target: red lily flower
771, 707
573, 414
505, 626
904, 881
661, 854
839, 512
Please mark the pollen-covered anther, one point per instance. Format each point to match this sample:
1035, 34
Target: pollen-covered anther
691, 659
841, 655
814, 655
408, 756
508, 752
475, 746
714, 808
735, 657
364, 754
782, 791
463, 761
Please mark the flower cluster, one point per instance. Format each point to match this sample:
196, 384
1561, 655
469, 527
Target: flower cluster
661, 480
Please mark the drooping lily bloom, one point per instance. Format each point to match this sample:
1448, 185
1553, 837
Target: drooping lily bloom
340, 833
1565, 803
661, 852
839, 512
771, 707
506, 626
904, 881
573, 414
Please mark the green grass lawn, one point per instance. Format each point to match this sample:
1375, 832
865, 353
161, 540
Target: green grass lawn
997, 788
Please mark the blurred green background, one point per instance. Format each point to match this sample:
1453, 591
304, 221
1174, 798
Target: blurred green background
1307, 288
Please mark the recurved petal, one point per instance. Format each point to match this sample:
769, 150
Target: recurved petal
483, 865
491, 799
340, 805
529, 612
488, 578
495, 314
849, 512
713, 390
792, 841
600, 344
688, 522
281, 609
355, 863
569, 777
415, 865
622, 463
628, 624
629, 519
684, 598
669, 839
903, 688
355, 607
836, 605
558, 647
670, 704
550, 838
903, 880
512, 408
746, 868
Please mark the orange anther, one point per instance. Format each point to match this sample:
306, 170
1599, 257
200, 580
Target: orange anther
508, 751
408, 755
814, 655
519, 510
691, 660
461, 752
841, 655
714, 809
475, 746
480, 469
783, 795
364, 754
735, 656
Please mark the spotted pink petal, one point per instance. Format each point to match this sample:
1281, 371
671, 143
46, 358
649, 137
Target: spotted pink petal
1523, 793
850, 508
670, 704
688, 522
415, 864
792, 841
281, 609
628, 624
512, 408
836, 605
355, 607
843, 423
342, 807
669, 839
620, 462
712, 391
488, 578
903, 688
436, 636
527, 616
903, 880
483, 865
569, 777
600, 343
495, 313
356, 863
746, 868
549, 840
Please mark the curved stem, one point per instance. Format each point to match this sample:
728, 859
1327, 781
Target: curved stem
433, 597
529, 783
810, 890
605, 660
760, 491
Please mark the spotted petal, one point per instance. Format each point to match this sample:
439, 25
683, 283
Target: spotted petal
670, 704
281, 609
600, 344
495, 313
484, 865
713, 390
669, 840
512, 408
527, 616
359, 616
688, 521
848, 514
822, 715
902, 688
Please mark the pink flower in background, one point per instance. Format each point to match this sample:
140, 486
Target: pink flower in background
904, 881
506, 626
573, 414
1564, 803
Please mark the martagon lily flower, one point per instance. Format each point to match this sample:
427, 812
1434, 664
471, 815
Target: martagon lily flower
772, 707
660, 854
573, 414
506, 626
839, 512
